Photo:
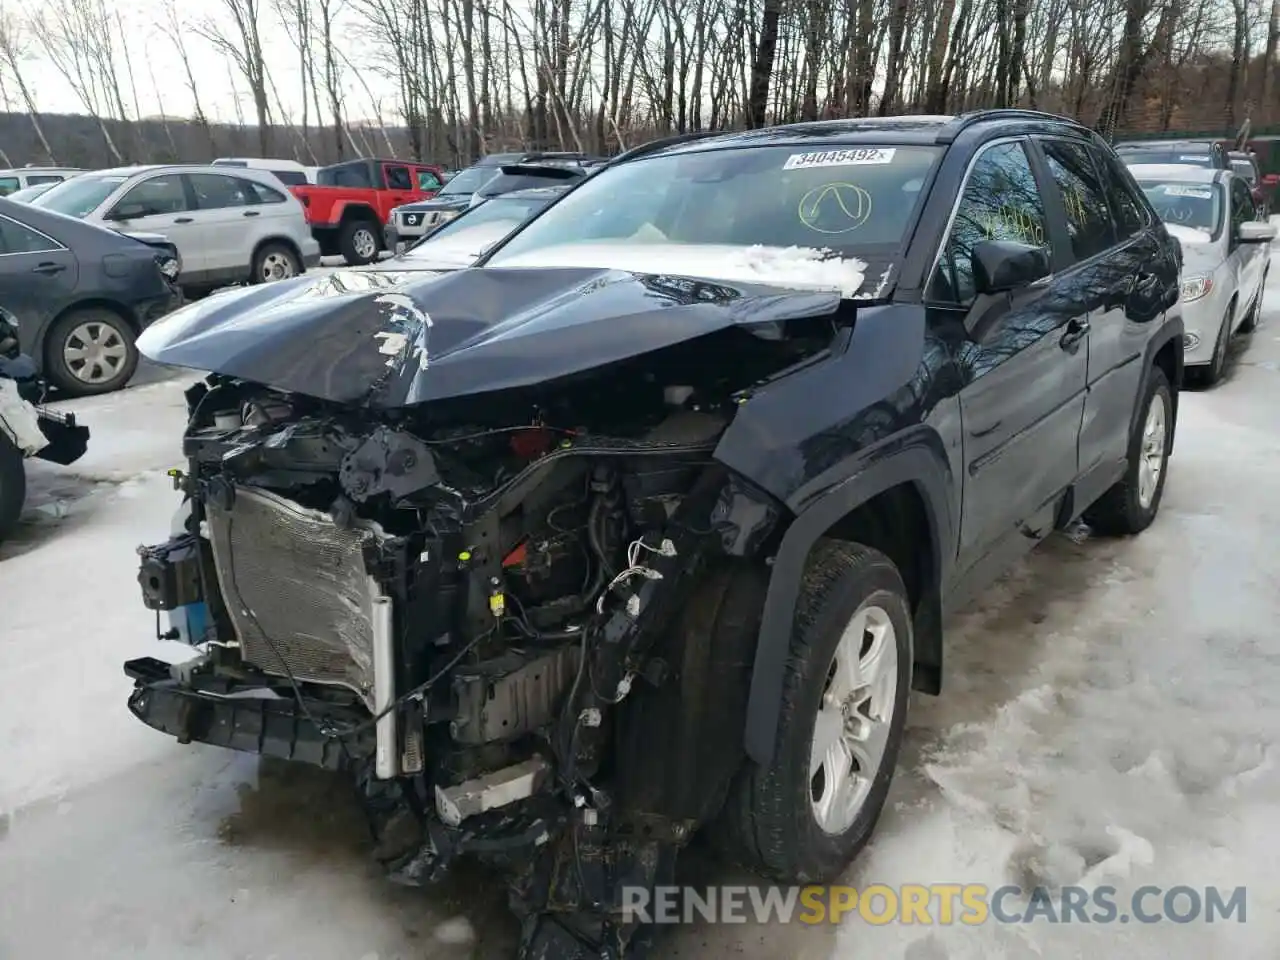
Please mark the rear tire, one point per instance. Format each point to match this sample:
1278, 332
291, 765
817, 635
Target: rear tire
801, 821
1130, 506
272, 262
89, 352
359, 242
13, 486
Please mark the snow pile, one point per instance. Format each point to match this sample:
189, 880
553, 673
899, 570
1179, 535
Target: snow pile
1188, 234
73, 614
807, 268
1110, 716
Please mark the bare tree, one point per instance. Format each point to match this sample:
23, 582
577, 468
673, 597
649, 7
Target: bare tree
241, 44
173, 27
14, 53
77, 39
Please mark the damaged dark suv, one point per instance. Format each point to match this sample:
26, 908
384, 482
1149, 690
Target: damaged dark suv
649, 522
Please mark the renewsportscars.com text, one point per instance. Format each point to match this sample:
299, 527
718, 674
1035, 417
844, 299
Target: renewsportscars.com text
934, 903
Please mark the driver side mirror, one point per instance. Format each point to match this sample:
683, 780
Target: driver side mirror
128, 211
1001, 265
1256, 231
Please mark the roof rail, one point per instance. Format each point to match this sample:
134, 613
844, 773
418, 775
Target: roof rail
653, 145
951, 130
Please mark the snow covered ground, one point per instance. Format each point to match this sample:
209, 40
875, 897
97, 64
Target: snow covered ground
1110, 716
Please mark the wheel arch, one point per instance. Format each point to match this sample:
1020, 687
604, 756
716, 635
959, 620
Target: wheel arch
898, 503
358, 211
1164, 351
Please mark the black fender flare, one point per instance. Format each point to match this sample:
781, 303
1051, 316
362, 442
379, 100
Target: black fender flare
918, 462
1170, 331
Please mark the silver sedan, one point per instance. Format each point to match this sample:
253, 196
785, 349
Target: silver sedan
1226, 256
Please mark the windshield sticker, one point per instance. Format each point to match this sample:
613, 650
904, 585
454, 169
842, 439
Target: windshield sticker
839, 158
1194, 193
1195, 158
835, 208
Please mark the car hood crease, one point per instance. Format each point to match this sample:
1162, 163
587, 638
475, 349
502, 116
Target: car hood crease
387, 339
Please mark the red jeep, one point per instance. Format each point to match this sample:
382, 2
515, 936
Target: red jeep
347, 207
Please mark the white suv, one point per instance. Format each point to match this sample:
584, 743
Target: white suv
228, 227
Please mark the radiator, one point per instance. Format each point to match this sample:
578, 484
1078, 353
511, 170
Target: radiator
296, 589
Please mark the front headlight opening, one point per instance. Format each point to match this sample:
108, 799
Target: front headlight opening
170, 267
1193, 288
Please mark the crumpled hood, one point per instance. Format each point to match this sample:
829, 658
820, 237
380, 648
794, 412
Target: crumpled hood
386, 338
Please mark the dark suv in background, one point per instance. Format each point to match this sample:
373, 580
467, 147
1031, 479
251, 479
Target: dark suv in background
456, 195
651, 520
1198, 153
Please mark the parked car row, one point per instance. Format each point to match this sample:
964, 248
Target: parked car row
1211, 202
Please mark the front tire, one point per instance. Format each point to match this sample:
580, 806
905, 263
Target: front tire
358, 242
90, 352
1130, 506
13, 486
805, 817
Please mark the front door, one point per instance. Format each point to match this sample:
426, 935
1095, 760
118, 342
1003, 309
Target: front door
162, 204
38, 276
1250, 256
1024, 362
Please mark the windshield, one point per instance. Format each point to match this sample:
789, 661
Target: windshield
468, 181
794, 207
1191, 154
478, 228
27, 194
79, 197
1197, 206
1244, 168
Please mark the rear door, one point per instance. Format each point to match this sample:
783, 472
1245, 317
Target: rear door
227, 215
38, 277
1116, 266
1024, 360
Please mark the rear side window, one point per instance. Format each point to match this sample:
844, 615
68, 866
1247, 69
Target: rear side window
8, 185
1089, 223
1129, 211
1001, 201
16, 238
216, 192
35, 178
398, 178
262, 193
290, 178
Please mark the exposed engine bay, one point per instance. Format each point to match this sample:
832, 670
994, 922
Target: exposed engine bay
494, 611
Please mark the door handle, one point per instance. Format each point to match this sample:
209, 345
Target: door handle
1076, 331
251, 213
183, 220
48, 269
